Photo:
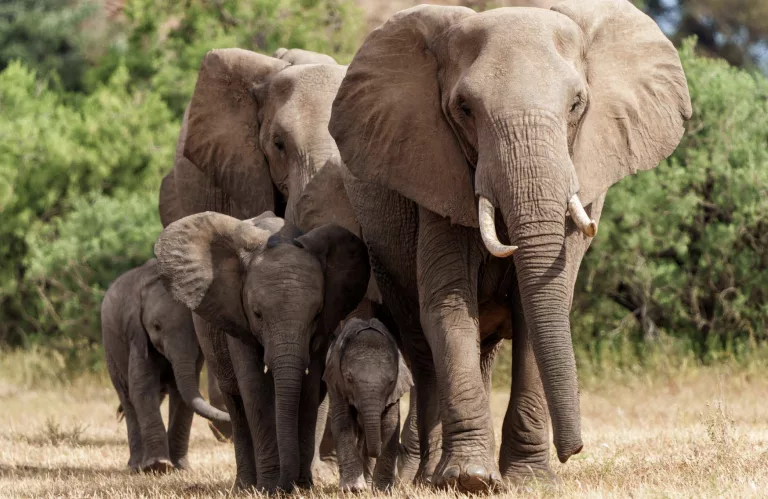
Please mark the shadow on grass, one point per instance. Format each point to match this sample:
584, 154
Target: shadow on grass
33, 471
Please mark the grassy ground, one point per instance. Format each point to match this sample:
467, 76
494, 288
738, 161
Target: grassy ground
703, 433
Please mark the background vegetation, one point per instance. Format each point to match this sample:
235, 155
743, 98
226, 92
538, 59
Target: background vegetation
91, 100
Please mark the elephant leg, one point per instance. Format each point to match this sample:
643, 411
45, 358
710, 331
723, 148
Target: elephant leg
351, 473
259, 444
386, 465
449, 259
524, 450
179, 428
408, 453
325, 454
134, 434
215, 347
144, 393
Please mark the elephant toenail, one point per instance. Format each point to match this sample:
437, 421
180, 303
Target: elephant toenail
476, 471
451, 474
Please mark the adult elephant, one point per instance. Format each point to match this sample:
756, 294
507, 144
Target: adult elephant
447, 117
253, 136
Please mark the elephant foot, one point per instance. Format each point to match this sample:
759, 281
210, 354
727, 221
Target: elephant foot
134, 464
182, 464
323, 471
467, 473
157, 465
527, 475
407, 466
358, 484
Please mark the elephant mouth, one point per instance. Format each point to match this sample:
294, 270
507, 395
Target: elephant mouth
487, 221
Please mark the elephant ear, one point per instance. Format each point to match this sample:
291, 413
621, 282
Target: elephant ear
404, 380
638, 94
202, 259
222, 128
169, 207
324, 200
346, 270
301, 56
387, 118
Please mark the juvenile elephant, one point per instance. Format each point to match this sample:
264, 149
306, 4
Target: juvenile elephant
278, 294
366, 377
446, 118
151, 349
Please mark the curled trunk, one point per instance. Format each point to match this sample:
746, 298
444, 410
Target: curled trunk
188, 381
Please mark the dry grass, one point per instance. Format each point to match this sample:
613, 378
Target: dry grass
701, 434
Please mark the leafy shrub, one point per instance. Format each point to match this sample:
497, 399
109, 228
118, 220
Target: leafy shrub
684, 248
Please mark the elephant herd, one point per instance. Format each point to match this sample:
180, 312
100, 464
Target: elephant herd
337, 236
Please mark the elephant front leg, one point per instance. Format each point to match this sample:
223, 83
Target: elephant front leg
144, 394
524, 450
312, 394
386, 465
449, 258
351, 471
179, 429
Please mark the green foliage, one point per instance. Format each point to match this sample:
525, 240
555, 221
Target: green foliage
684, 247
46, 36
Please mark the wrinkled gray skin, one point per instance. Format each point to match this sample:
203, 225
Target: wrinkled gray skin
227, 160
278, 295
524, 107
366, 376
151, 349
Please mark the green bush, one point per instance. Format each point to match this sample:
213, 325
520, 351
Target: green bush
683, 249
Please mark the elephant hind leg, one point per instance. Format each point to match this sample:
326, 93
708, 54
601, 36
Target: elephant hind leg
179, 429
134, 434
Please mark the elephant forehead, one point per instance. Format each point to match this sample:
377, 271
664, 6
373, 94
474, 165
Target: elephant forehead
516, 30
286, 267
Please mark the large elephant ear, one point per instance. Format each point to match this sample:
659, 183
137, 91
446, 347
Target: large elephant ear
222, 135
202, 259
344, 258
387, 118
324, 200
638, 94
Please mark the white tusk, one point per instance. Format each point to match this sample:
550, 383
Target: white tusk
265, 369
306, 372
580, 217
487, 214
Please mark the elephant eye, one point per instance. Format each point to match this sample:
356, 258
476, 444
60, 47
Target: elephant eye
577, 103
156, 326
279, 144
465, 109
257, 315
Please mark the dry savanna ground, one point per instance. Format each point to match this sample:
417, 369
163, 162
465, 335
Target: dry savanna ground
699, 434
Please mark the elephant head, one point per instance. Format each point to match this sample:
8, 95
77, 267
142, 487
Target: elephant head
168, 324
253, 134
268, 284
528, 112
366, 367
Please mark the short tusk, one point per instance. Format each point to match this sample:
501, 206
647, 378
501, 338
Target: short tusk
580, 217
487, 215
306, 372
265, 369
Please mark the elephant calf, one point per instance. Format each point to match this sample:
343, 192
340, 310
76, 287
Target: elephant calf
151, 349
366, 377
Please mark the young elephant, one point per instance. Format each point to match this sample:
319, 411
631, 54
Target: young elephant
151, 349
366, 377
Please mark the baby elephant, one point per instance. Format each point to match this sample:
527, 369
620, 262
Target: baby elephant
366, 376
151, 349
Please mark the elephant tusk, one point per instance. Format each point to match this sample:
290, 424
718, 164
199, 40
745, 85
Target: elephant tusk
487, 214
265, 369
580, 217
306, 372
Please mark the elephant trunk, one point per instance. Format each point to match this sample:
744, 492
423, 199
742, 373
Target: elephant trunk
370, 411
287, 372
187, 377
539, 178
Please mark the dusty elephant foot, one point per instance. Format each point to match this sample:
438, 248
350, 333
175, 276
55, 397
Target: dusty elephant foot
357, 484
182, 464
324, 471
157, 465
467, 473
